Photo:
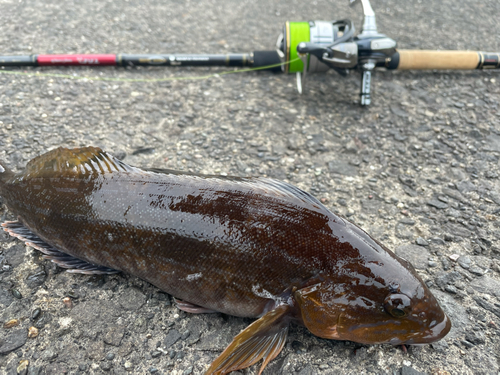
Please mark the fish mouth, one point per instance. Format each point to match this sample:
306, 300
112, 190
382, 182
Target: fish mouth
394, 332
432, 334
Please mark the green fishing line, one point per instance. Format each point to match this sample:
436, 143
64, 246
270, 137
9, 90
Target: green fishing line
297, 32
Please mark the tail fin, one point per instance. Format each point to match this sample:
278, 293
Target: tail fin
5, 174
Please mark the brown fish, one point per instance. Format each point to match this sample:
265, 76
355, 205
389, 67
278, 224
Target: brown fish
250, 247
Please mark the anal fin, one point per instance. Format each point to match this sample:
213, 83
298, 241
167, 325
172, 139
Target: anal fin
191, 307
73, 265
263, 339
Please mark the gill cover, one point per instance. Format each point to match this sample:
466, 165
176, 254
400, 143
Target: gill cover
319, 314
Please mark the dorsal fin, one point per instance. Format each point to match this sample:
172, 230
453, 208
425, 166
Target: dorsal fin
268, 185
285, 189
92, 160
78, 161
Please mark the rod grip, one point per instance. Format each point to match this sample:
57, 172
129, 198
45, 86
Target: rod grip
266, 58
426, 59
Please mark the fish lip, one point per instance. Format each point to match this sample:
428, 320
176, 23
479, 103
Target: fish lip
435, 333
441, 329
427, 335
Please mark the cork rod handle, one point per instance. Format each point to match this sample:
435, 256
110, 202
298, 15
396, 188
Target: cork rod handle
425, 59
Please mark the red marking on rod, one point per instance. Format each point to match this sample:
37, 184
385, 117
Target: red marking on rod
102, 59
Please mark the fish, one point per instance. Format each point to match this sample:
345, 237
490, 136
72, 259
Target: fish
245, 246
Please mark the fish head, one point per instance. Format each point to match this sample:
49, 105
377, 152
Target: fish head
401, 317
397, 313
365, 293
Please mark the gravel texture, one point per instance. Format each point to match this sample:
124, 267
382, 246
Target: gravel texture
419, 170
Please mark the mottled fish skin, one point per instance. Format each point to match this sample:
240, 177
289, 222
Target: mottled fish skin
174, 230
241, 246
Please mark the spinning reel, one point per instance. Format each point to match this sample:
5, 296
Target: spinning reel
322, 45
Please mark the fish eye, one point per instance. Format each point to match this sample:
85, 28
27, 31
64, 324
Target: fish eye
398, 313
397, 305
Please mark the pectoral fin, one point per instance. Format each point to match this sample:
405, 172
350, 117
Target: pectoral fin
263, 339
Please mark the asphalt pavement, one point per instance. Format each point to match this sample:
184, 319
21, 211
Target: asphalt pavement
418, 170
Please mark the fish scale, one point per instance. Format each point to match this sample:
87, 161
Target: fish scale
250, 247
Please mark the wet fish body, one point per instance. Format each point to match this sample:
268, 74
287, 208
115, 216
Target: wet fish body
250, 247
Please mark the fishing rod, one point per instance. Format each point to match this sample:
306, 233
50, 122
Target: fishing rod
302, 48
